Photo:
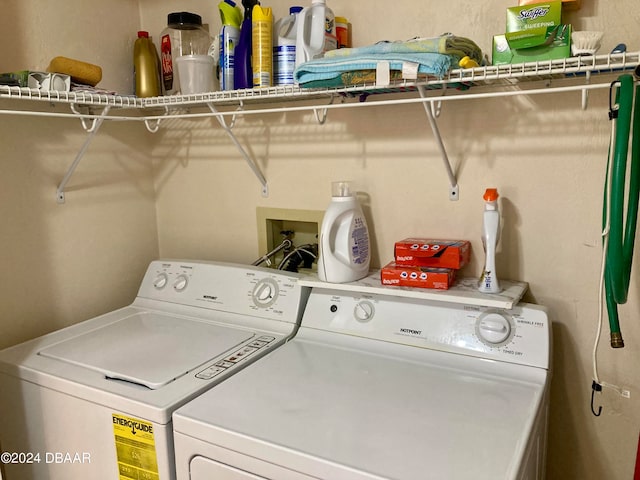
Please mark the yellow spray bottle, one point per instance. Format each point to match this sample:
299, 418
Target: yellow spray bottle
262, 46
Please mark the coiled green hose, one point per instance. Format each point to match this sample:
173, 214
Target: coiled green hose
619, 253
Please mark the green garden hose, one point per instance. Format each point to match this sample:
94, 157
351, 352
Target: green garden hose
619, 250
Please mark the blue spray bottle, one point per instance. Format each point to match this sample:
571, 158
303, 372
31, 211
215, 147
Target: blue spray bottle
231, 17
242, 72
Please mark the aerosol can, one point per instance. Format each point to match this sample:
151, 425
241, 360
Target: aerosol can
490, 235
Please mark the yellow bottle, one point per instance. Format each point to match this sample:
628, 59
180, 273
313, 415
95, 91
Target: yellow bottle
262, 46
145, 64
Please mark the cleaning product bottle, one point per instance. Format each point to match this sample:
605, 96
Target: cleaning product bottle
316, 32
231, 17
285, 32
342, 33
184, 35
262, 46
344, 238
145, 67
242, 74
490, 235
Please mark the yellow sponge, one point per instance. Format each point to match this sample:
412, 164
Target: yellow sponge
80, 72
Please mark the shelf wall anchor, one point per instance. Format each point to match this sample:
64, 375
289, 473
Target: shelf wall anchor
154, 126
234, 117
252, 164
454, 192
97, 122
94, 121
321, 119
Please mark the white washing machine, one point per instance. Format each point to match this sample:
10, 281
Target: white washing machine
94, 400
376, 386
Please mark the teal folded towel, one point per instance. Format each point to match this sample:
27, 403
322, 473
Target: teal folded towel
328, 68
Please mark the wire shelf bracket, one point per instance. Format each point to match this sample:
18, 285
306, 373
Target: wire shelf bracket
250, 161
454, 190
92, 131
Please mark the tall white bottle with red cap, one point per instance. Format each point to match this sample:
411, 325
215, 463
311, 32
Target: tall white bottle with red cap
344, 238
490, 235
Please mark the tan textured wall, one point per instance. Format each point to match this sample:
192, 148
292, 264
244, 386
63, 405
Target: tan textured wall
65, 263
545, 154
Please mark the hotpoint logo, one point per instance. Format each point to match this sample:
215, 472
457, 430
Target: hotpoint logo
410, 331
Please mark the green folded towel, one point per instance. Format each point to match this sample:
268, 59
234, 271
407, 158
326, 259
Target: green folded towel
447, 44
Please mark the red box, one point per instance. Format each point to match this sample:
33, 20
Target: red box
422, 252
421, 277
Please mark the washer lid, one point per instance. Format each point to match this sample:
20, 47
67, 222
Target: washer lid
149, 349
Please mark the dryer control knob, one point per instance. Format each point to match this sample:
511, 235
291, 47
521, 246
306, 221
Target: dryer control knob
161, 281
181, 283
493, 328
364, 311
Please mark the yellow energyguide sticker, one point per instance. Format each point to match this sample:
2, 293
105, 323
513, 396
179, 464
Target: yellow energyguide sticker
135, 448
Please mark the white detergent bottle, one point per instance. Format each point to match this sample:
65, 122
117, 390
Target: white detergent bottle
344, 238
285, 34
490, 235
316, 32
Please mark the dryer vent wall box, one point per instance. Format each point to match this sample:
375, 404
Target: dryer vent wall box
95, 400
378, 387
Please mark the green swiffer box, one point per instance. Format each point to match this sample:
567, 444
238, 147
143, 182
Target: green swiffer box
556, 44
546, 14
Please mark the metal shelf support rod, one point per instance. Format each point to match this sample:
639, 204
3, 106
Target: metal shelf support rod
453, 181
250, 161
72, 168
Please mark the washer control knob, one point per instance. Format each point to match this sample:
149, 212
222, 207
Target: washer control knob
364, 311
265, 292
160, 281
493, 328
181, 283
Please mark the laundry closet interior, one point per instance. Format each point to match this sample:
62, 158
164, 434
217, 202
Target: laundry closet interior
177, 186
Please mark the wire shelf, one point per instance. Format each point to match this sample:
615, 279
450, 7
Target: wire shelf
495, 77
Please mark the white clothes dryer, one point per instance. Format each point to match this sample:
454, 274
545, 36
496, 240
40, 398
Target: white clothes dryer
94, 400
375, 386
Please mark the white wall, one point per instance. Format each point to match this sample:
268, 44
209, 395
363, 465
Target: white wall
546, 156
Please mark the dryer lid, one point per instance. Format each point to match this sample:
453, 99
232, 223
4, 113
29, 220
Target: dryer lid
150, 349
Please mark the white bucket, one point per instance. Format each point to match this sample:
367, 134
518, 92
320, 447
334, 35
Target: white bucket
196, 73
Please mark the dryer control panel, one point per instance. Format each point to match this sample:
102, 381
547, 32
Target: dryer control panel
519, 335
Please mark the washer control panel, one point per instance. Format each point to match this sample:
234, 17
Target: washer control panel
226, 287
519, 335
240, 355
265, 292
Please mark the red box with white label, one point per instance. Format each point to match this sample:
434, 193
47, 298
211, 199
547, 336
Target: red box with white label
421, 277
422, 252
